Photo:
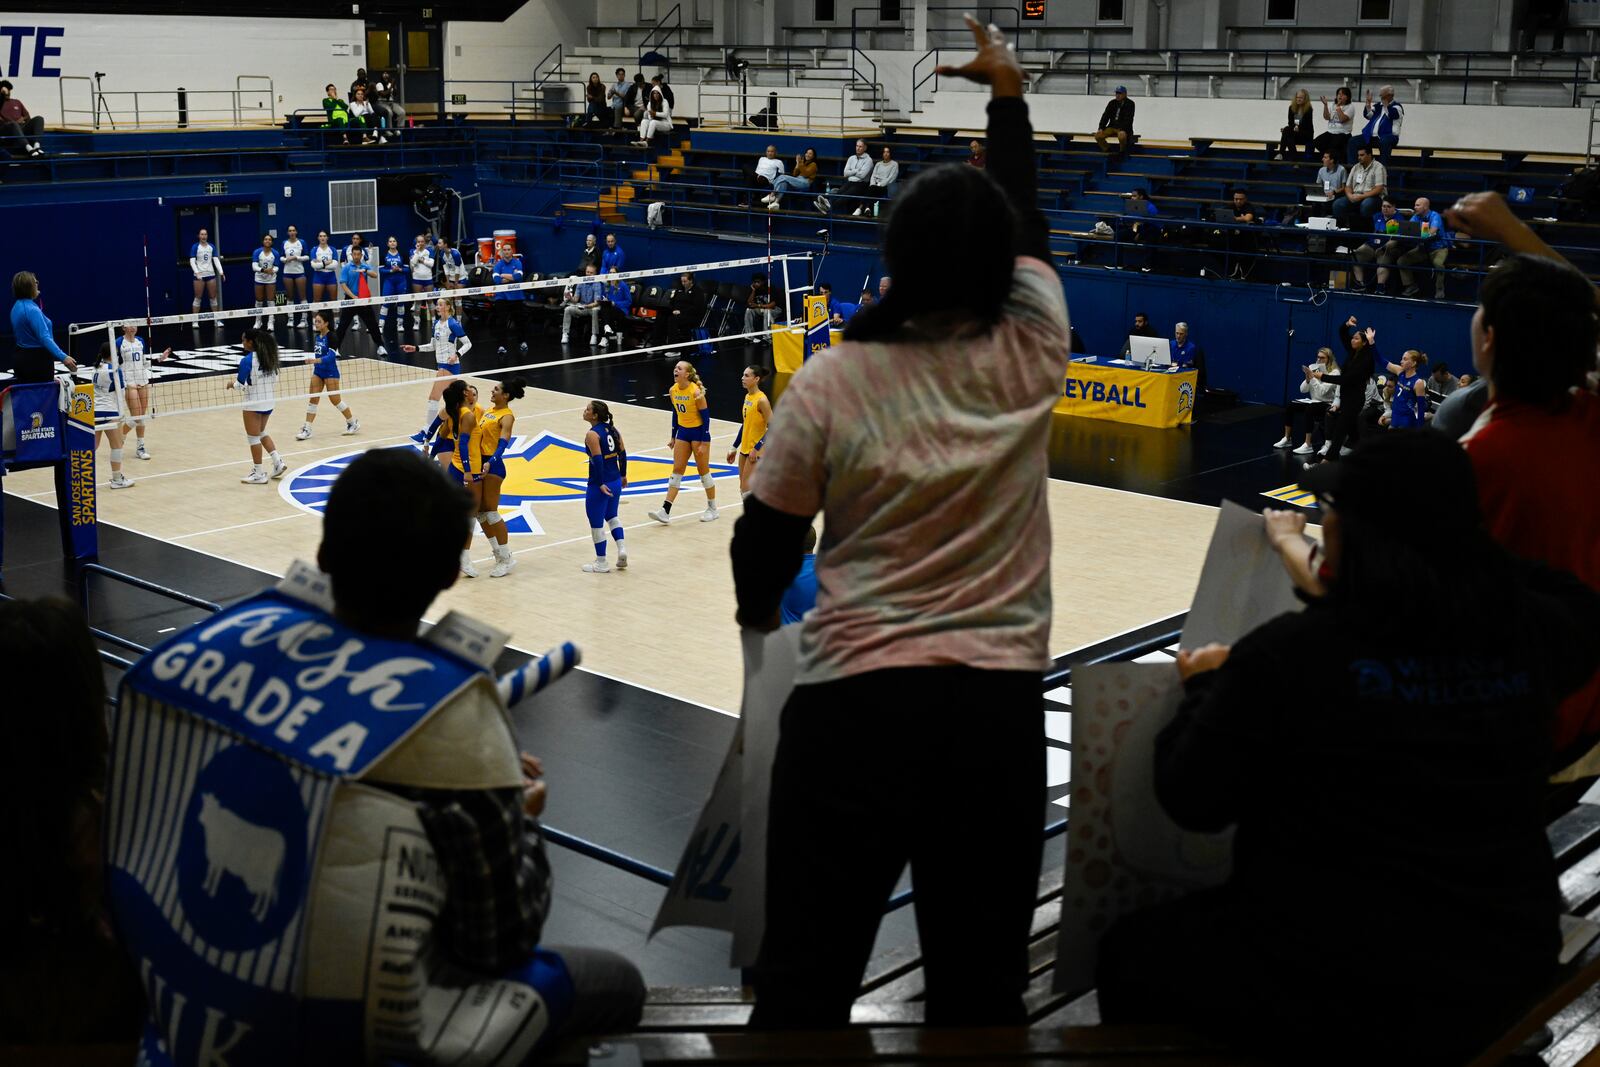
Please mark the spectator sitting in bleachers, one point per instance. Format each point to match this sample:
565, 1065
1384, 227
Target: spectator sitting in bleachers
805, 172
337, 112
616, 304
594, 100
1322, 396
1536, 448
976, 155
659, 82
1331, 177
759, 307
1298, 129
634, 99
583, 300
1441, 382
1363, 191
19, 131
1382, 130
393, 115
1116, 122
768, 169
1441, 670
687, 306
857, 179
1431, 248
1383, 247
885, 173
1340, 117
656, 121
62, 977
1135, 215
617, 96
362, 114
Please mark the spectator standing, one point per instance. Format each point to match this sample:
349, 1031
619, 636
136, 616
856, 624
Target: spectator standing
590, 256
1383, 247
618, 97
1536, 447
36, 350
1340, 118
857, 178
1363, 190
885, 173
1352, 379
359, 81
594, 97
508, 307
19, 131
612, 259
1116, 122
1298, 130
925, 598
1461, 703
1384, 118
767, 170
1322, 395
583, 300
976, 156
805, 172
1242, 245
1431, 249
759, 307
63, 979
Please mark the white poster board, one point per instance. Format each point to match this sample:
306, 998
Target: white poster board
1124, 852
720, 881
1242, 584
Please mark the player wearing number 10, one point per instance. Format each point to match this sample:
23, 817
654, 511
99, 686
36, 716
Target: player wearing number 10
691, 433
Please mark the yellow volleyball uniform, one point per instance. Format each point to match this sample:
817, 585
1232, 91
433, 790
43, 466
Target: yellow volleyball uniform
755, 424
682, 397
489, 426
447, 433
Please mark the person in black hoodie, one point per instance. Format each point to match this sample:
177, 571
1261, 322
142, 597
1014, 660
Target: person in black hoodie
1360, 360
676, 323
1390, 863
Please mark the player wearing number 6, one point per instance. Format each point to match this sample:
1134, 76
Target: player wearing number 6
691, 433
757, 415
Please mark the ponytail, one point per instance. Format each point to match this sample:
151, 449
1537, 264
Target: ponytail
266, 349
513, 387
602, 411
455, 395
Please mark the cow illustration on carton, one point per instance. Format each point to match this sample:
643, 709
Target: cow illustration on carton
234, 846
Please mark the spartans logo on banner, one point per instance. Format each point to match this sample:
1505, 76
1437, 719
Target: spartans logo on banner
817, 337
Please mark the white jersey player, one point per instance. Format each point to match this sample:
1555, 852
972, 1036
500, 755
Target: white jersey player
133, 362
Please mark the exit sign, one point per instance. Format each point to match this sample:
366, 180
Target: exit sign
1033, 10
216, 188
458, 99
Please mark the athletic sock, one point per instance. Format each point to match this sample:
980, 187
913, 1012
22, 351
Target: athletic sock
433, 412
666, 507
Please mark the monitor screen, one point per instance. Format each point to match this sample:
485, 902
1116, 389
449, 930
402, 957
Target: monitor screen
1144, 350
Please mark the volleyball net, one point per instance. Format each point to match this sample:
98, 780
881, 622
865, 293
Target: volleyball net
193, 360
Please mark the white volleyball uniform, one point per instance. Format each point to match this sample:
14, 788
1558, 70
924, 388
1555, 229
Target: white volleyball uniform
454, 269
107, 384
260, 388
292, 251
266, 267
202, 260
135, 365
422, 266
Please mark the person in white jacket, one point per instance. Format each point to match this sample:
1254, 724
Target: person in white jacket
1320, 398
857, 178
767, 170
657, 118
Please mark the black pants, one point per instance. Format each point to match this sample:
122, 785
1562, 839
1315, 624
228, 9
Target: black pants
368, 319
14, 137
1314, 416
1344, 429
33, 365
939, 766
853, 191
669, 328
608, 992
508, 317
1289, 136
1337, 143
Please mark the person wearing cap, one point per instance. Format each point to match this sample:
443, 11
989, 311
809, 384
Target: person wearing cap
1409, 780
1116, 122
19, 131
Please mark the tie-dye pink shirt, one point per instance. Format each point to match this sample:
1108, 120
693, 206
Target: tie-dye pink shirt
928, 462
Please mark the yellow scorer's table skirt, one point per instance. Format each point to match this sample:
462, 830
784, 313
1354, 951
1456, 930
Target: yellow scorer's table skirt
789, 350
1102, 390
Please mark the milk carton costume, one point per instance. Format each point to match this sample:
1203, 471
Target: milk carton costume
280, 903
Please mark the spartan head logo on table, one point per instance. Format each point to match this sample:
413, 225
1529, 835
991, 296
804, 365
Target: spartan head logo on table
1185, 397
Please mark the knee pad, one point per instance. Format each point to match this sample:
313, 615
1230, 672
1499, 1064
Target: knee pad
311, 406
253, 440
489, 518
597, 535
139, 420
614, 524
674, 480
705, 480
116, 455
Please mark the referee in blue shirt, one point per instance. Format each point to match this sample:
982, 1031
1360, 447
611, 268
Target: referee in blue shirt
36, 349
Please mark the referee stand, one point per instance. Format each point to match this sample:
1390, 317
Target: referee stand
51, 424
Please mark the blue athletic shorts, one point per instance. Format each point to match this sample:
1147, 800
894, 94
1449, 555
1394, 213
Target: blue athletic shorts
324, 277
697, 433
600, 507
496, 467
439, 446
453, 368
326, 368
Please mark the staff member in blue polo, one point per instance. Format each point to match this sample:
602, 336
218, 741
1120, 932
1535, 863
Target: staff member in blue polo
36, 349
354, 285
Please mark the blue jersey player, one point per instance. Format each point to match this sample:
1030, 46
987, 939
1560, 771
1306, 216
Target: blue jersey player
325, 376
393, 272
608, 477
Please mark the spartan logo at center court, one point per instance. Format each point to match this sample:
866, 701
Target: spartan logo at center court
543, 468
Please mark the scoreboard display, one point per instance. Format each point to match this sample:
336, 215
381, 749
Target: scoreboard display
1033, 10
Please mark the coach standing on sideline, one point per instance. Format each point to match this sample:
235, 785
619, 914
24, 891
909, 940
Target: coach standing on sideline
931, 632
36, 349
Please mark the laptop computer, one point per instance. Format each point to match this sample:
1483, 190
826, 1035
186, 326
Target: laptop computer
1222, 214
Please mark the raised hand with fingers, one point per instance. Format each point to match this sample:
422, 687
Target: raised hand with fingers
995, 65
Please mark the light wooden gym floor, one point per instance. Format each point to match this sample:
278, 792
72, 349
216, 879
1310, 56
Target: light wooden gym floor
1120, 559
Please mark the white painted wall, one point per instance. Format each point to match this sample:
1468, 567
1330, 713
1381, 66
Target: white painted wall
507, 51
157, 53
1502, 128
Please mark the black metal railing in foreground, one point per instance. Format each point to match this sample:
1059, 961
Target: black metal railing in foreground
1163, 634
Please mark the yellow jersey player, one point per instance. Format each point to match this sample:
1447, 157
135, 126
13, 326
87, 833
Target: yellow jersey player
456, 445
494, 432
691, 434
757, 414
